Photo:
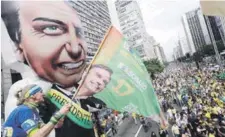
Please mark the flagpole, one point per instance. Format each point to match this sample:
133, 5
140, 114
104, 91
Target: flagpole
92, 62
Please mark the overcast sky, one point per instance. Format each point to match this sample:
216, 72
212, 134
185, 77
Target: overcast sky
163, 20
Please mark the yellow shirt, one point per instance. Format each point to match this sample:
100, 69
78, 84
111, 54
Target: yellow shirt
214, 85
220, 103
211, 135
215, 110
104, 123
213, 94
103, 135
174, 111
199, 100
208, 115
175, 130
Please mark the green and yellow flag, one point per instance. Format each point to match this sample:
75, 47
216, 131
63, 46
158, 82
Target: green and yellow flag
118, 77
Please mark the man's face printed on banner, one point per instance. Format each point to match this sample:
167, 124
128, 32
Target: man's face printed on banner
51, 41
96, 80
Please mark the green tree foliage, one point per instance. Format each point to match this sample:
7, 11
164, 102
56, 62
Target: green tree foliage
197, 57
208, 50
154, 66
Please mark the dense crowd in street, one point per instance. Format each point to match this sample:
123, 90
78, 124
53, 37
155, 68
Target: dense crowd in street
193, 100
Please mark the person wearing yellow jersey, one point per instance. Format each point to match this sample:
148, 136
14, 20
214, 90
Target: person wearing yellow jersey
175, 130
208, 115
213, 94
134, 117
215, 110
174, 111
199, 100
104, 126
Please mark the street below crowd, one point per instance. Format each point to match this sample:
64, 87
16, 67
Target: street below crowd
129, 129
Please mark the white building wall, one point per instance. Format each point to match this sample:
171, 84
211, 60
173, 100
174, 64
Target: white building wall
188, 35
132, 25
113, 14
204, 27
158, 54
184, 45
95, 20
148, 46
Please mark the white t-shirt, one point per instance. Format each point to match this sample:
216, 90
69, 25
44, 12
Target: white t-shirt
175, 129
169, 113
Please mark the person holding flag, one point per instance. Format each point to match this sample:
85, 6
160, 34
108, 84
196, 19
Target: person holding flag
51, 44
25, 121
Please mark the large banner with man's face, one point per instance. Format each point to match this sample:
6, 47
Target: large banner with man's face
43, 40
118, 77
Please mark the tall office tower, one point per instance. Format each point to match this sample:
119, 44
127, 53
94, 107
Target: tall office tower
215, 28
190, 43
220, 22
180, 49
203, 26
159, 52
195, 29
162, 53
177, 52
149, 47
95, 20
132, 25
184, 45
222, 19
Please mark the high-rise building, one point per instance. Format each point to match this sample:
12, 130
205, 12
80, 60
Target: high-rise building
159, 52
162, 53
149, 47
113, 14
190, 43
220, 21
95, 20
132, 25
203, 26
196, 30
177, 52
184, 45
215, 29
180, 49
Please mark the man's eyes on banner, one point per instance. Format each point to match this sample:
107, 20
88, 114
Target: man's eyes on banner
53, 30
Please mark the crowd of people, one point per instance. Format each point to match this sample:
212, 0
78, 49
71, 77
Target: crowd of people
193, 100
106, 122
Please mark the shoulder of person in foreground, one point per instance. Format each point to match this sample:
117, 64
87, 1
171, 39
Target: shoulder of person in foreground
11, 101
